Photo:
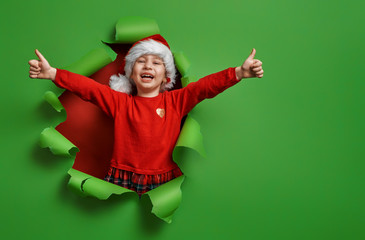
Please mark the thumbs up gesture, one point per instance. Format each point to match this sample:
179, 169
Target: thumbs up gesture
41, 68
250, 68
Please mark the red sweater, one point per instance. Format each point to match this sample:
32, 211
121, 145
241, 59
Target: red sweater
145, 129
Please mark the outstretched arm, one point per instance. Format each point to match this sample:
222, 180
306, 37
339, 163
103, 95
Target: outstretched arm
250, 68
213, 84
41, 68
86, 88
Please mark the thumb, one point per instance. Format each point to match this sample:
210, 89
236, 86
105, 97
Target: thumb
40, 56
252, 55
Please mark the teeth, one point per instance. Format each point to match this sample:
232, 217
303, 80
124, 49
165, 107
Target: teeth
145, 75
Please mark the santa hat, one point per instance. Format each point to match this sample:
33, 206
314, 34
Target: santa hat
155, 45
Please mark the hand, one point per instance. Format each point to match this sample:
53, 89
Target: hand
41, 68
250, 68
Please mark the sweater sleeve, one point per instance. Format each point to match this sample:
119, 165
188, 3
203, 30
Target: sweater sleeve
206, 87
89, 90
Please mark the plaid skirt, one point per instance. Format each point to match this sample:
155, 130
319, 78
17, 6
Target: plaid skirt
140, 183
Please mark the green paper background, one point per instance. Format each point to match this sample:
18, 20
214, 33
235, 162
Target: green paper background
285, 153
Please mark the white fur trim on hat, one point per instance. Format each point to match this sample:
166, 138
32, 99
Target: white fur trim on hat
121, 83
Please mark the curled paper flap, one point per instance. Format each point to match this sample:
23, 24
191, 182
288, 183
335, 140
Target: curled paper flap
186, 80
91, 62
87, 185
191, 137
133, 28
109, 51
77, 180
182, 63
56, 142
166, 198
53, 100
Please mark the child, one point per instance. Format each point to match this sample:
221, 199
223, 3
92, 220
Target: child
146, 116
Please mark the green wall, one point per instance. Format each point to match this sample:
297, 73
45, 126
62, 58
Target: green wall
285, 152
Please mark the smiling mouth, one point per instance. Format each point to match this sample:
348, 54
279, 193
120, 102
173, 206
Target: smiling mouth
147, 77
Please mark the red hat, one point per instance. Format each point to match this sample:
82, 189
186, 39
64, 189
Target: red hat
156, 37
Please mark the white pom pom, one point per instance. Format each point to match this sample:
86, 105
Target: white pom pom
120, 83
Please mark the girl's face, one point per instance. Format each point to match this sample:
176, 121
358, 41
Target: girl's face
148, 74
